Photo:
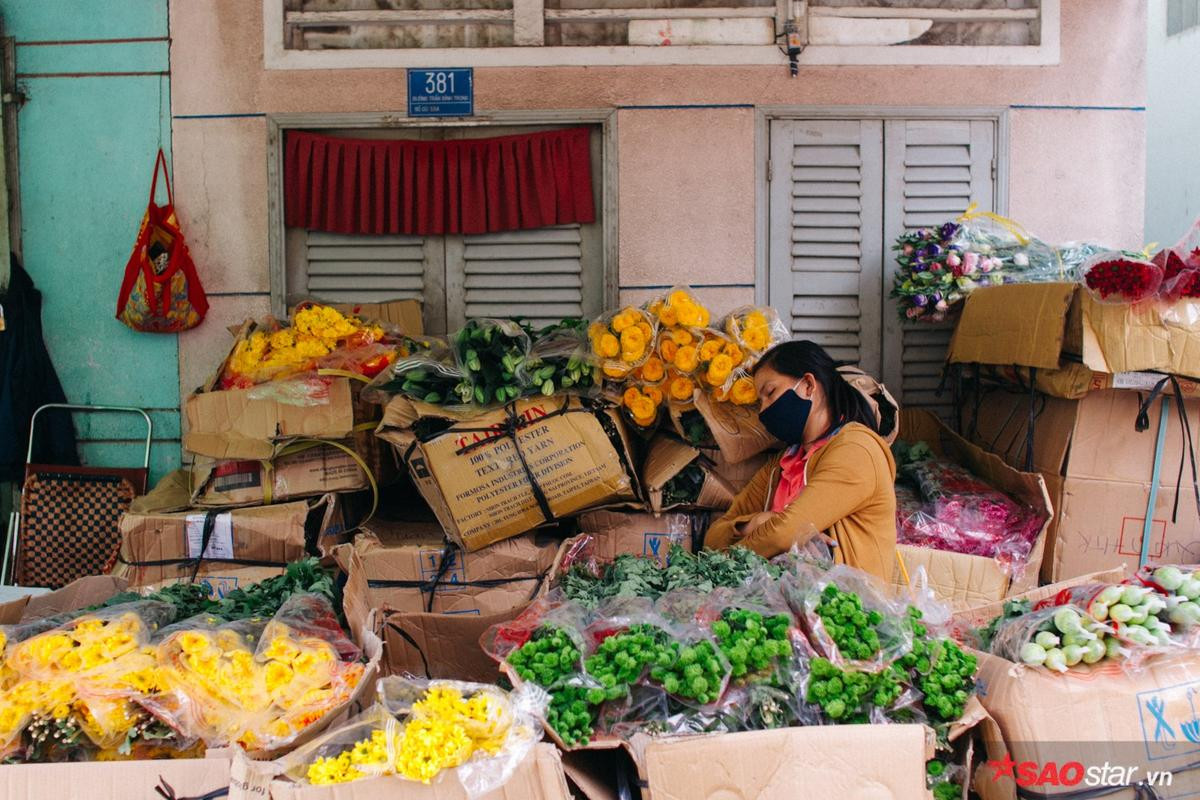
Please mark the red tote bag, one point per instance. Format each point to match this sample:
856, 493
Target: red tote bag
161, 292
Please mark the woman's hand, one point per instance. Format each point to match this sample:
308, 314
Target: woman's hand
758, 520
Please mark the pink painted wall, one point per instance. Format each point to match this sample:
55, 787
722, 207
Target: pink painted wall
686, 177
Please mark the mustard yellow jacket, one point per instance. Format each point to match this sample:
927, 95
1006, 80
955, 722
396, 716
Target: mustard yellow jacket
849, 493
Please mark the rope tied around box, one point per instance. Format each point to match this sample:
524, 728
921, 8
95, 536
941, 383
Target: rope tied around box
514, 423
430, 586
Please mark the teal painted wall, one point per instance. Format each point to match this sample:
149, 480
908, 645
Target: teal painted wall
86, 146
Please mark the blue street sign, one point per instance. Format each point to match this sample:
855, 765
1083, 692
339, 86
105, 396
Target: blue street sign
441, 92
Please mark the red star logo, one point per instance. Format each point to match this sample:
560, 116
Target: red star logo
1004, 767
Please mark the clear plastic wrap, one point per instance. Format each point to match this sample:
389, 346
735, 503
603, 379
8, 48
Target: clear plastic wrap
679, 308
1056, 638
428, 374
622, 341
317, 337
1118, 277
951, 509
850, 619
756, 329
493, 356
941, 265
254, 682
1134, 613
560, 359
421, 728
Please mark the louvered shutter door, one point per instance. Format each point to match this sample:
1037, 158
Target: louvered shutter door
373, 269
826, 221
933, 170
543, 275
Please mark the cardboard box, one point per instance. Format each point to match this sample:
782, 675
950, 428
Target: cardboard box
538, 777
80, 593
479, 473
666, 459
296, 470
834, 761
410, 567
1142, 721
247, 424
1098, 470
1044, 325
965, 580
612, 533
117, 780
157, 548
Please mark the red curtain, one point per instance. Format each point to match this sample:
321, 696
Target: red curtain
430, 187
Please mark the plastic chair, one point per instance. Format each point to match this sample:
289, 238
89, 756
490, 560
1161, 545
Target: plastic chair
66, 523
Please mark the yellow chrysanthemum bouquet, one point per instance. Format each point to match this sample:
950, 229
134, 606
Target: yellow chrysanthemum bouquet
79, 678
318, 337
622, 341
421, 728
257, 683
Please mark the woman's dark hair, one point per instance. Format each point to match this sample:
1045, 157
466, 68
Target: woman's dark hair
798, 358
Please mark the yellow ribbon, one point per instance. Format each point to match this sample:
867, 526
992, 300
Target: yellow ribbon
1012, 226
342, 373
1146, 252
300, 445
903, 569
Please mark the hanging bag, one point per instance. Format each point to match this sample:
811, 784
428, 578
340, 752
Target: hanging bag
161, 292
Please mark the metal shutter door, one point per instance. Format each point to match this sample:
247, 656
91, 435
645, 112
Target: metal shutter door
376, 269
826, 220
543, 275
933, 170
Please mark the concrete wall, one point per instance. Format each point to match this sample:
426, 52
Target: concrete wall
686, 175
87, 143
1172, 126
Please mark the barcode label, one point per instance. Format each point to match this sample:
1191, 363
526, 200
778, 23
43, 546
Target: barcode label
220, 542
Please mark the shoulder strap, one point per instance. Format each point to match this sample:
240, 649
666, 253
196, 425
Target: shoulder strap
161, 160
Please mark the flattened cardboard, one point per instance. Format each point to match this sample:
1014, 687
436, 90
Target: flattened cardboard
296, 470
472, 474
834, 761
539, 777
399, 557
1039, 324
615, 532
247, 423
115, 780
958, 579
739, 474
667, 457
735, 429
172, 493
80, 593
274, 535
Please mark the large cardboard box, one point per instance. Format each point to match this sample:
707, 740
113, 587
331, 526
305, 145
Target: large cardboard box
77, 594
538, 777
410, 567
1098, 470
506, 471
964, 580
1046, 325
117, 780
297, 470
608, 534
427, 645
158, 548
834, 761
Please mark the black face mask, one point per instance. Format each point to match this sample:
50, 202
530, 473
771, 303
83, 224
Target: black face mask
786, 418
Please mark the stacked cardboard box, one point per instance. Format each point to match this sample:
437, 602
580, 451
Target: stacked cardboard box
1086, 369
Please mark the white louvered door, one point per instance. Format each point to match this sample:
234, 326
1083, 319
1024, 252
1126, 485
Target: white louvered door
841, 191
539, 274
826, 218
933, 170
